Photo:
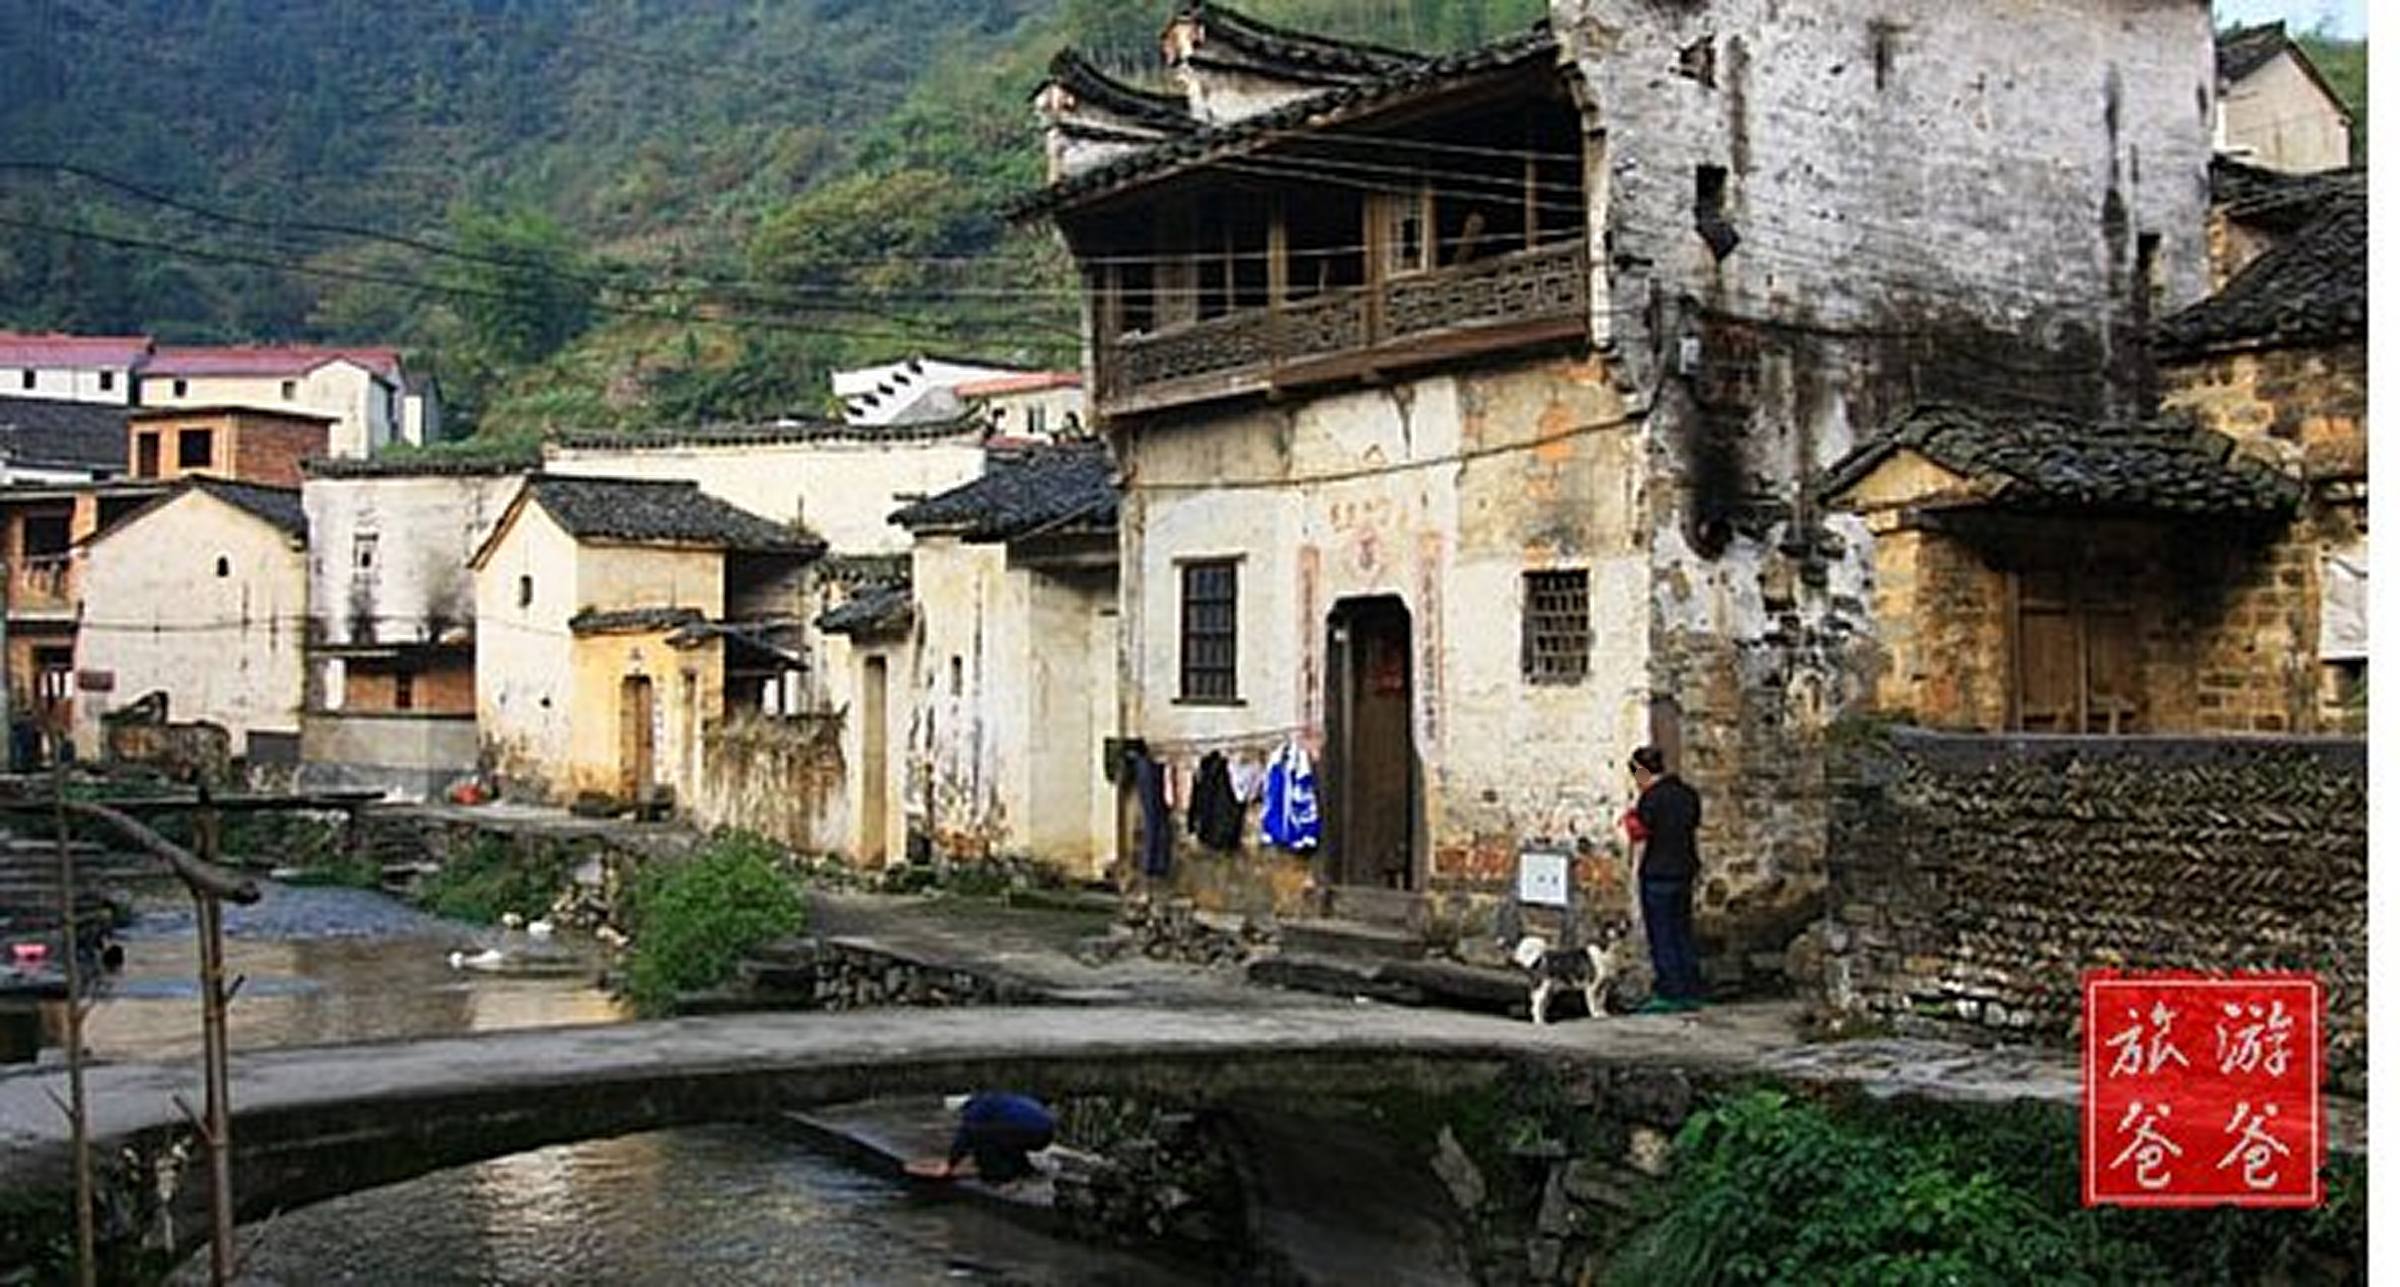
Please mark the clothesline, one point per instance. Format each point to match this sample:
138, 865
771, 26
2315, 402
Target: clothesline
1255, 738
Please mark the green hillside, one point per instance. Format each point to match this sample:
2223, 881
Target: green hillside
597, 212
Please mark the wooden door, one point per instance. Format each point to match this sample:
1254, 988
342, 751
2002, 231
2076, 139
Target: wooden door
2078, 653
637, 759
1372, 831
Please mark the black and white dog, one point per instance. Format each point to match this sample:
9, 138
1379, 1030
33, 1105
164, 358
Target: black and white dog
1591, 968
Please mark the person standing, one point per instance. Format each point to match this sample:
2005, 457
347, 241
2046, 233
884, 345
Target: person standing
1666, 820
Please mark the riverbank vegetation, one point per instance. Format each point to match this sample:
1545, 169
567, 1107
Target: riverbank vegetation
693, 921
1768, 1187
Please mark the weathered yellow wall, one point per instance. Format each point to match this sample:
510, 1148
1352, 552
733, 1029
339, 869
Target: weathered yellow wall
647, 576
226, 649
687, 686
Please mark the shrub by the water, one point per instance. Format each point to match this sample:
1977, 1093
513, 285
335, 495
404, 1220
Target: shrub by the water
1771, 1189
492, 878
693, 921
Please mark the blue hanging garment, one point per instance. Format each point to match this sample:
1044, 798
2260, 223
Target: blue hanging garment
1289, 812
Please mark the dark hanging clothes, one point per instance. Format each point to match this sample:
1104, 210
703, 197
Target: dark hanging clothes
1216, 810
1158, 835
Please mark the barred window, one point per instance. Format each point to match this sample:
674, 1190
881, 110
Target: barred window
1208, 631
1558, 627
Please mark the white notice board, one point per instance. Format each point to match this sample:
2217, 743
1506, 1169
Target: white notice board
1542, 878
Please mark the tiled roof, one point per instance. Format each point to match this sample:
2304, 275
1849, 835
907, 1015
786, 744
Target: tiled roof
225, 409
1420, 75
2256, 195
1070, 70
881, 610
607, 621
643, 512
2243, 50
93, 352
776, 431
2033, 462
412, 466
864, 569
1024, 492
80, 435
267, 360
2311, 289
278, 506
1297, 53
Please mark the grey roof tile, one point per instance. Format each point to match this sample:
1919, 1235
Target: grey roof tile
2043, 463
1023, 491
82, 435
665, 513
2311, 289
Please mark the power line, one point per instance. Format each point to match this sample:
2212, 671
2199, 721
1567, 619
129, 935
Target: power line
732, 321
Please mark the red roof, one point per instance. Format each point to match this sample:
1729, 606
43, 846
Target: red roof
282, 359
1032, 382
23, 349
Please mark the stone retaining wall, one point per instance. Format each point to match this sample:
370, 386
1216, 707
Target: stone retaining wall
1973, 879
857, 974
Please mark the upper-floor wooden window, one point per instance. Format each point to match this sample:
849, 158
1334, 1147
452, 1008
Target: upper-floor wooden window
1210, 600
2077, 653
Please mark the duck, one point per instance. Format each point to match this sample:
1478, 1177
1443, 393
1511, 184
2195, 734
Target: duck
510, 920
611, 935
489, 958
540, 929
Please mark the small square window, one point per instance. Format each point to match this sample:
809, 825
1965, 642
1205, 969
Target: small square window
108, 381
195, 449
1209, 635
524, 592
291, 390
362, 551
26, 379
1558, 627
183, 388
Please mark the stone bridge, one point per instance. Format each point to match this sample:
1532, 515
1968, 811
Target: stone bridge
313, 1123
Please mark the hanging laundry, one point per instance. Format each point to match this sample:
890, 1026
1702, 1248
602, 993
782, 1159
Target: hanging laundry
1158, 835
1216, 815
1290, 812
1248, 776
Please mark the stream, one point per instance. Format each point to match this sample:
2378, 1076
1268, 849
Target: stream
728, 1204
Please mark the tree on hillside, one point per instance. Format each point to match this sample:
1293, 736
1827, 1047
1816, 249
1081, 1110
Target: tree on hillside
523, 288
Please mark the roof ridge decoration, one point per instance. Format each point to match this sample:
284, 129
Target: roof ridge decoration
1073, 71
1103, 172
1202, 29
783, 431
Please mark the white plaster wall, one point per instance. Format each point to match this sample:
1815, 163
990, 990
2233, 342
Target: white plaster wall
1010, 413
69, 384
969, 710
426, 528
342, 389
227, 649
2278, 117
524, 679
843, 491
1452, 539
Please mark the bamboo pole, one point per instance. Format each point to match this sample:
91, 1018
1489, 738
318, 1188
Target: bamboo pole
87, 1267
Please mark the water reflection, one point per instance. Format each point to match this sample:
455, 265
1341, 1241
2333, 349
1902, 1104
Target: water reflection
727, 1206
326, 990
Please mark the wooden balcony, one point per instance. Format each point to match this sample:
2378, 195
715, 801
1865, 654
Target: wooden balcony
1537, 296
44, 587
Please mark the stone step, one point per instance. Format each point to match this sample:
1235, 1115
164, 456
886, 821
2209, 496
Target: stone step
1375, 906
1355, 939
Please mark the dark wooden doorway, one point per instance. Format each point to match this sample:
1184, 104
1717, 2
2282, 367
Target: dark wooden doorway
874, 844
1371, 759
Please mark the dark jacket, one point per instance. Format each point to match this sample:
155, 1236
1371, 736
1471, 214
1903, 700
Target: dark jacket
1670, 813
1216, 811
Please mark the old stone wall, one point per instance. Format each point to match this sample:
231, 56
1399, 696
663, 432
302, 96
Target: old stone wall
1816, 216
1974, 879
781, 778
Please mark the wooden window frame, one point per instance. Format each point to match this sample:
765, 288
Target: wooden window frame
1208, 684
1555, 631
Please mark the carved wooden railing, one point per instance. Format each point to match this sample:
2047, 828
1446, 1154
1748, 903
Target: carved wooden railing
1545, 283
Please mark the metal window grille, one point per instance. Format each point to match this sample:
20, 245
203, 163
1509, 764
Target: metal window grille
1558, 627
1208, 631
